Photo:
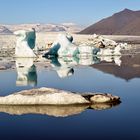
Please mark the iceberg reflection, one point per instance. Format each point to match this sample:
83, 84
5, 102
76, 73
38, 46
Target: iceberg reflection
26, 72
64, 66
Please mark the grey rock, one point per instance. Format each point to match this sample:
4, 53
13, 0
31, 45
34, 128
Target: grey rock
50, 96
104, 98
43, 96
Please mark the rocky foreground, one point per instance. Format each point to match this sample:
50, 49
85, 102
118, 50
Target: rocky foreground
50, 96
55, 102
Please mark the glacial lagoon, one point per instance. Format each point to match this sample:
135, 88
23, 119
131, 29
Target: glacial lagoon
116, 75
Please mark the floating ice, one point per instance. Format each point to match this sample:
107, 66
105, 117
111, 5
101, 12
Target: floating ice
25, 43
63, 46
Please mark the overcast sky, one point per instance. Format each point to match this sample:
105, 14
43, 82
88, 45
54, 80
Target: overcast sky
82, 12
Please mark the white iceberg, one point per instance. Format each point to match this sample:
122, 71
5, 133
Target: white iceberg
63, 46
25, 43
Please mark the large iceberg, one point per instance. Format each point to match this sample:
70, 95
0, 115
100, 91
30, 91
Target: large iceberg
25, 43
63, 46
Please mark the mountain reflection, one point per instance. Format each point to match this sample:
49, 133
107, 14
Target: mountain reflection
129, 68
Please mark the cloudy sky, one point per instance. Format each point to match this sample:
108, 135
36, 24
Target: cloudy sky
82, 12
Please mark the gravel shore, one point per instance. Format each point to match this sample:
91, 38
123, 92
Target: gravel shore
8, 42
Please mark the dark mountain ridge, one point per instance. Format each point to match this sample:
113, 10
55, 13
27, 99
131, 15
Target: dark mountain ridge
126, 22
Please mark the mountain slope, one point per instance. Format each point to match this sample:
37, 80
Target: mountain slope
125, 22
65, 27
4, 30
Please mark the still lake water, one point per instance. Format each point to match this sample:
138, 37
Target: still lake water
118, 77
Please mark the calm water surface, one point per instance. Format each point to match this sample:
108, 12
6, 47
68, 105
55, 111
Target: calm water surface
121, 78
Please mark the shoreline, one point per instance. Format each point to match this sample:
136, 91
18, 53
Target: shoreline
8, 41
